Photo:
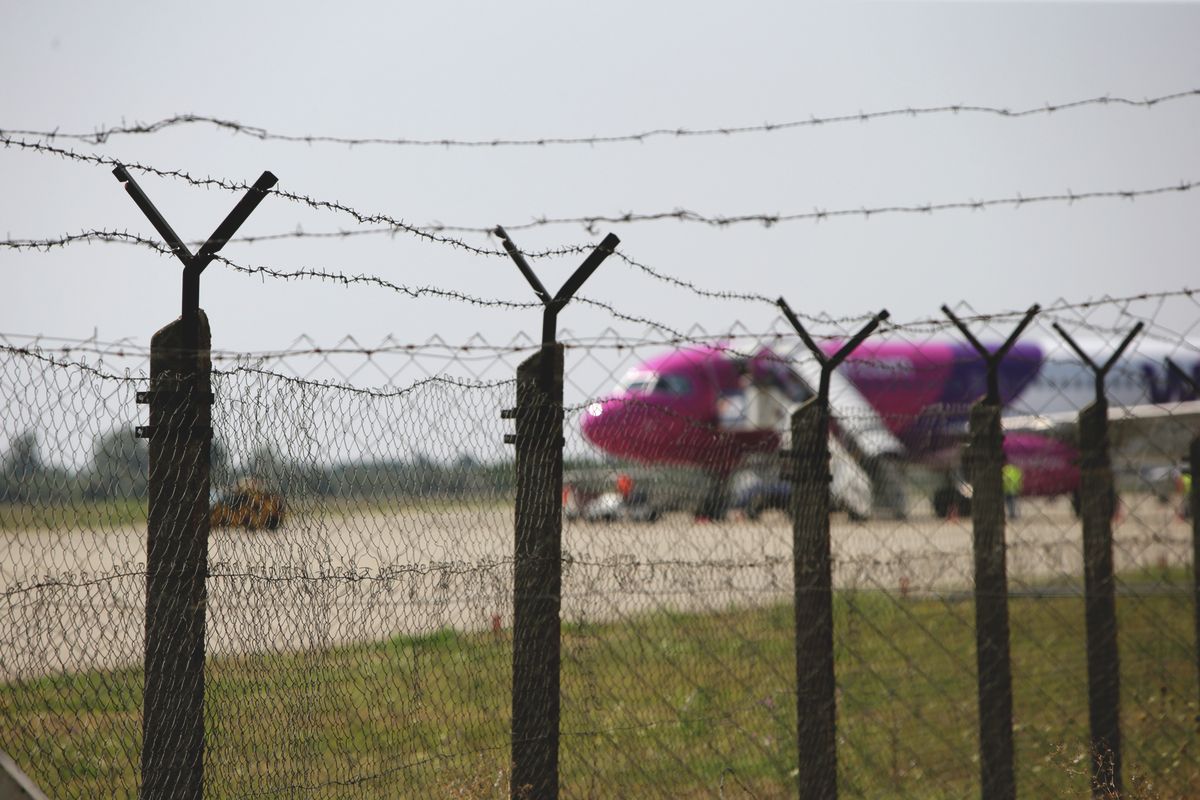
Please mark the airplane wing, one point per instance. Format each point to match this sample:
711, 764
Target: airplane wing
1143, 433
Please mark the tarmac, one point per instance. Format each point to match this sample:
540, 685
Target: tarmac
74, 600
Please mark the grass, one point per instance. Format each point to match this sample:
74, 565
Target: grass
100, 515
660, 705
71, 516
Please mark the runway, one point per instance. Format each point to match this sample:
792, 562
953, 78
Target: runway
74, 600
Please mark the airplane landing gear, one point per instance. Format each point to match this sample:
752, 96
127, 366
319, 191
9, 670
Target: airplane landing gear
954, 497
715, 501
888, 495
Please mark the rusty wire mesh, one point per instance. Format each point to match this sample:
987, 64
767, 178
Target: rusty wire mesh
360, 585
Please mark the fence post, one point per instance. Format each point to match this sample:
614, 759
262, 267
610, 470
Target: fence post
1193, 501
1097, 496
537, 574
808, 471
176, 561
180, 433
984, 459
537, 569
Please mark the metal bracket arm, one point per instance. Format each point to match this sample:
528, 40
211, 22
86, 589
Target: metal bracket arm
992, 360
556, 303
193, 265
830, 363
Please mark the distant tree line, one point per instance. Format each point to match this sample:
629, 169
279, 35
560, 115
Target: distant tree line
119, 467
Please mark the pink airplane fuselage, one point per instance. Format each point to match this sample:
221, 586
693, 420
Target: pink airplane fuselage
673, 418
668, 412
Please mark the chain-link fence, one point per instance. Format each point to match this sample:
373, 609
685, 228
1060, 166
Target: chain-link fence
364, 542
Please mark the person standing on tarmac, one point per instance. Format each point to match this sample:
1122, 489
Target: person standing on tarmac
1186, 487
1013, 481
625, 486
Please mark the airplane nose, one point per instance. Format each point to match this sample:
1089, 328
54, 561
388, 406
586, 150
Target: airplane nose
601, 421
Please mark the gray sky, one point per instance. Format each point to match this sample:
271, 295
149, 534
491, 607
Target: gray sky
486, 70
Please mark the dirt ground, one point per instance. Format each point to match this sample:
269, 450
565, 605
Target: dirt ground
75, 600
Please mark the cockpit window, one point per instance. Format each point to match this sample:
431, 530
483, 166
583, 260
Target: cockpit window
652, 383
639, 382
673, 384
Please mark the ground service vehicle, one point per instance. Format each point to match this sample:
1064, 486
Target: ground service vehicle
247, 505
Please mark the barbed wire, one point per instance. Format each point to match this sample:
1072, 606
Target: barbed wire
589, 222
373, 280
435, 232
311, 273
104, 133
125, 237
934, 324
718, 294
36, 354
240, 186
380, 394
614, 340
712, 294
55, 360
394, 566
928, 324
1112, 331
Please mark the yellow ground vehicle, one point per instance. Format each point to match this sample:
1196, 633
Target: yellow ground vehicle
247, 505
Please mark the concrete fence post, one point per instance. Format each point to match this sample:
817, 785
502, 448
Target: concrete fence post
807, 469
537, 551
985, 461
812, 564
180, 433
1096, 507
537, 575
1192, 506
1097, 498
176, 562
1193, 501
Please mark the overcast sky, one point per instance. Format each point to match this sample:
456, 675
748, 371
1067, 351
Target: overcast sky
529, 70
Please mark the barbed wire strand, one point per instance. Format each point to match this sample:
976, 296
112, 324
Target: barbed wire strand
102, 134
435, 232
1054, 311
391, 392
345, 279
589, 222
240, 186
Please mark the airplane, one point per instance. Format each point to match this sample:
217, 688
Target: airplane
893, 403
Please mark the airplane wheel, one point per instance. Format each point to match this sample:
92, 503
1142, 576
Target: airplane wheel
754, 509
946, 498
964, 504
943, 500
